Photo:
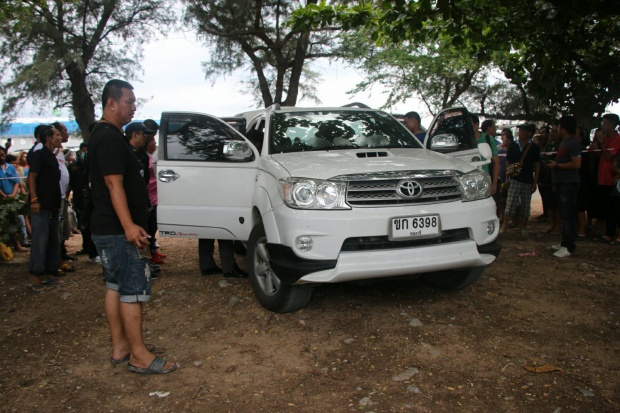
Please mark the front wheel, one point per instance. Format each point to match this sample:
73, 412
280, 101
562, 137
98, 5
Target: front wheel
455, 279
268, 288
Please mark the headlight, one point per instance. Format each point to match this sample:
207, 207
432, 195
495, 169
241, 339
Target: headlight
476, 185
306, 193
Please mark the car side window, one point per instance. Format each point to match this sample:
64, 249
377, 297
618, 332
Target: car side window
189, 138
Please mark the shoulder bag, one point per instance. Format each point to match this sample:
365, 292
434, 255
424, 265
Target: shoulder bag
514, 169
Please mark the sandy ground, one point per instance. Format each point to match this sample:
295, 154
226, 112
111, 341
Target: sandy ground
535, 334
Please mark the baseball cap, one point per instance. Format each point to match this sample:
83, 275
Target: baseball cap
528, 127
152, 125
136, 127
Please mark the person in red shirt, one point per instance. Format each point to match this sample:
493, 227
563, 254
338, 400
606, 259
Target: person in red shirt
610, 148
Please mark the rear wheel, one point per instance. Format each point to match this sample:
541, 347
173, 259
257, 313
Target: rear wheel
268, 288
455, 279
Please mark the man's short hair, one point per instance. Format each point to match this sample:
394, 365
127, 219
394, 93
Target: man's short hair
413, 115
83, 145
569, 123
10, 158
487, 124
612, 117
114, 89
37, 130
46, 132
57, 125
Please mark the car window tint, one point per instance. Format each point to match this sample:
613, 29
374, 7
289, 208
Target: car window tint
302, 131
197, 139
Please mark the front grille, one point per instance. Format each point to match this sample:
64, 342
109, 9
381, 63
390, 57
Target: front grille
383, 243
383, 192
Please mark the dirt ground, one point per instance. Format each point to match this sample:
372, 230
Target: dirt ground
385, 347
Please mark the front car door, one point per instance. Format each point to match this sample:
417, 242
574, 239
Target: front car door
455, 125
204, 190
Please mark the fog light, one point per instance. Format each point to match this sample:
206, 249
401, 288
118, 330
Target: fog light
490, 227
304, 243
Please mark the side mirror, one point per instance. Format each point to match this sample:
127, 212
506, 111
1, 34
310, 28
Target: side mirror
444, 143
485, 150
237, 151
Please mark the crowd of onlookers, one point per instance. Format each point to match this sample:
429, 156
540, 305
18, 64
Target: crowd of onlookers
53, 184
568, 168
576, 176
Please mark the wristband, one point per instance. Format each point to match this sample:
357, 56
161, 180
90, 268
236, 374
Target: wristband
35, 199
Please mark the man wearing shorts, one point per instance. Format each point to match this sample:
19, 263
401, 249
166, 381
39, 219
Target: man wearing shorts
523, 185
118, 223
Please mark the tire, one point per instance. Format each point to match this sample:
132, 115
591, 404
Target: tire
268, 288
455, 279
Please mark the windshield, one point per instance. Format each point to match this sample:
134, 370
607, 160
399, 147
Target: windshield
332, 130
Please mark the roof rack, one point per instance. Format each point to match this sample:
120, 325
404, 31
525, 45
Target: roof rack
356, 105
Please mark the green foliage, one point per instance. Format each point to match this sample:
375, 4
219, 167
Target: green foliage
10, 208
559, 53
60, 53
439, 74
253, 36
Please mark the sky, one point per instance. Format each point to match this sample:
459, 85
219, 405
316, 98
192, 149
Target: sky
173, 80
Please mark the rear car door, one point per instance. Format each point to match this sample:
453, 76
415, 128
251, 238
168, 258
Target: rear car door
203, 190
455, 125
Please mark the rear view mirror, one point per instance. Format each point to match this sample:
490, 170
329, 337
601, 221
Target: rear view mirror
237, 151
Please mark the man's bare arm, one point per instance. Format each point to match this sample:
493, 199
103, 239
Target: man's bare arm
35, 207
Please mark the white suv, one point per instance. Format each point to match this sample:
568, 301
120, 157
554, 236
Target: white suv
333, 195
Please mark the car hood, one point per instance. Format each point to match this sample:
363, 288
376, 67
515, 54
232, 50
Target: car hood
327, 164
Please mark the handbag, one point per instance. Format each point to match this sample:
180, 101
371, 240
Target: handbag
514, 169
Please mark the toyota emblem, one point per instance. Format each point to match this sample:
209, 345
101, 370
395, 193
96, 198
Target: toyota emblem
409, 189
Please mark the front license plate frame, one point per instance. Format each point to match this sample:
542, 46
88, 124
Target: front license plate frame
414, 227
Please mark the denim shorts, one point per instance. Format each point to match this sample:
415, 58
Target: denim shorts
124, 269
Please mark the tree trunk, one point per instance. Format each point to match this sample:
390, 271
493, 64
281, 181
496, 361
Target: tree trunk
81, 102
298, 64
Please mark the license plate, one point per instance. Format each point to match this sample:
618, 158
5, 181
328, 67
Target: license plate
426, 226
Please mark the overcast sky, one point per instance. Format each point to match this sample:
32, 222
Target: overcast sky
173, 80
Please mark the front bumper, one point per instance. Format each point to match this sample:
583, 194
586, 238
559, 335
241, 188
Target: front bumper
352, 266
334, 258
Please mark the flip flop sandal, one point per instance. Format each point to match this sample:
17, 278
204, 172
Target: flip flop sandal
37, 288
67, 268
54, 282
156, 367
114, 362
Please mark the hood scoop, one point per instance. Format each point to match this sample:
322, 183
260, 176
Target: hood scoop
374, 154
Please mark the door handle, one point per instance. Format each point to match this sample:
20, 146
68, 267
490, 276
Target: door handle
168, 175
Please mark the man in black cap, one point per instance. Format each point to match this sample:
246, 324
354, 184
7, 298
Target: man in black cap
138, 134
524, 183
151, 148
135, 133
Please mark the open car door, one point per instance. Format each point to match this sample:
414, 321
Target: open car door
205, 178
451, 132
